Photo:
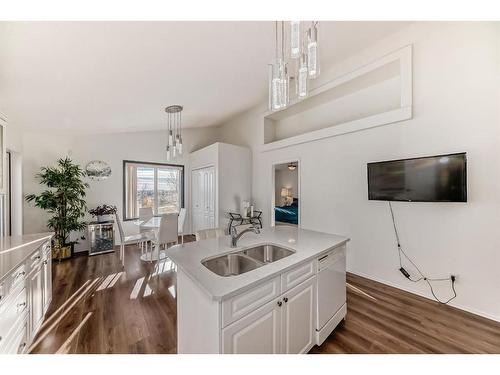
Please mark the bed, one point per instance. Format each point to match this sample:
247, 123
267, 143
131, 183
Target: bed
287, 214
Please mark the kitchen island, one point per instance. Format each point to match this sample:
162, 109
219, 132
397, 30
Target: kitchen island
25, 289
285, 303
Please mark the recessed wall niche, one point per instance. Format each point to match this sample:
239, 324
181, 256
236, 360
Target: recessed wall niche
374, 94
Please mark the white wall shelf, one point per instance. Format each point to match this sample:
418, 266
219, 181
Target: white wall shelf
375, 94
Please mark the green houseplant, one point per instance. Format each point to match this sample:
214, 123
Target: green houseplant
64, 200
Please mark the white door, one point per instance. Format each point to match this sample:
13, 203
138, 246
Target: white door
299, 318
203, 198
257, 333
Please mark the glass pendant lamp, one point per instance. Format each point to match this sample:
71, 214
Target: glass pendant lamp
169, 156
312, 51
179, 145
302, 77
294, 39
174, 142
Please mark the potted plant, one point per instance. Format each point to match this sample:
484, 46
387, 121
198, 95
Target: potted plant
64, 200
102, 213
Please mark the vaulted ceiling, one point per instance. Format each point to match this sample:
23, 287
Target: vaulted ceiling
119, 76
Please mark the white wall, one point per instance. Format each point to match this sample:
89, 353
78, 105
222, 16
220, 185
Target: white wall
456, 75
44, 149
288, 179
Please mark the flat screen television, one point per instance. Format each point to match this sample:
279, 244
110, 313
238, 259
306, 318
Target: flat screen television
440, 178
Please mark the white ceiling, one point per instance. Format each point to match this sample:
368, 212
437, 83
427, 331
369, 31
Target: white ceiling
119, 76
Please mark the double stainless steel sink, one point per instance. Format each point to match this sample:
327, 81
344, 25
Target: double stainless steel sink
245, 260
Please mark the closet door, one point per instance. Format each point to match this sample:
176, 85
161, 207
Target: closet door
209, 212
203, 198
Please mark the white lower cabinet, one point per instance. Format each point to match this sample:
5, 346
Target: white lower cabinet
299, 316
47, 279
25, 297
35, 281
284, 325
257, 333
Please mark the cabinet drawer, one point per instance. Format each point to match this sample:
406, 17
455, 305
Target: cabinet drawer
240, 305
17, 277
298, 274
35, 259
13, 283
12, 311
46, 248
17, 342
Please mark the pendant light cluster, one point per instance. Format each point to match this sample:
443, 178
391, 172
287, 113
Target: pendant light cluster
174, 142
299, 56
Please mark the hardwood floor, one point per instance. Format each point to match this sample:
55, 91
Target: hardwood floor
99, 308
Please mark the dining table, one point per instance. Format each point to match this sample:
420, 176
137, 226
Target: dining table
153, 224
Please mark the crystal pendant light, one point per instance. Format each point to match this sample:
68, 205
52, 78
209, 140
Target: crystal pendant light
168, 153
174, 142
302, 60
302, 77
294, 39
312, 51
278, 74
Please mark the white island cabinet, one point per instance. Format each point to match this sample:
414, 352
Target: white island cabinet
25, 289
270, 309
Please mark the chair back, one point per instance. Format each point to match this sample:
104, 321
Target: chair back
120, 228
145, 213
182, 218
210, 233
168, 230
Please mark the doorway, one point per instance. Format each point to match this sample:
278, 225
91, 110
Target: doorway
285, 207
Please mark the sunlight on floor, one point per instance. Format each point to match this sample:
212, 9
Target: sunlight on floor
359, 291
171, 290
87, 288
110, 281
137, 288
66, 346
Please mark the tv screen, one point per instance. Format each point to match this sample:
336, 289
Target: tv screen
441, 178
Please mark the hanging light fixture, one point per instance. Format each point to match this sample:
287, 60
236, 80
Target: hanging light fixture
174, 141
292, 166
304, 54
312, 50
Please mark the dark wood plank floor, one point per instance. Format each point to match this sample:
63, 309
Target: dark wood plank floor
98, 307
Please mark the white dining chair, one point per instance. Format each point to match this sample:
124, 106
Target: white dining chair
182, 219
205, 234
145, 214
134, 239
167, 232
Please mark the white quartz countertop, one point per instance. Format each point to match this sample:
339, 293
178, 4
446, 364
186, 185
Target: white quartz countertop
307, 245
15, 249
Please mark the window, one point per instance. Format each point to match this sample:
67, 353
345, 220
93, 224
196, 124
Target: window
159, 186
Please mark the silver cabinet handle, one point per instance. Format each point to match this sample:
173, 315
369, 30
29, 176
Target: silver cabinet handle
279, 303
285, 299
21, 304
45, 262
22, 273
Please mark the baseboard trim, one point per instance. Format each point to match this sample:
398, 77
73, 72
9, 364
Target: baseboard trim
455, 305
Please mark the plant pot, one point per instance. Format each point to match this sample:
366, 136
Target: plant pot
62, 253
103, 218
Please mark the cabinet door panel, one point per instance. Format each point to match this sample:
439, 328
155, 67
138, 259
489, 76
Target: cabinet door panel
299, 317
36, 299
47, 282
257, 333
